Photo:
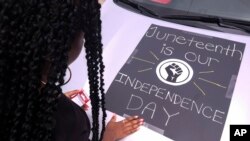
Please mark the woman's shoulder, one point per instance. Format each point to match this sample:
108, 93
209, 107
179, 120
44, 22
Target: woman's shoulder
71, 121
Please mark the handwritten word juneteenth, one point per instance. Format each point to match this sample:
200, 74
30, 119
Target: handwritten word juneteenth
230, 50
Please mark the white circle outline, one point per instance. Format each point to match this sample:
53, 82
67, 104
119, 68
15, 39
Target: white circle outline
175, 60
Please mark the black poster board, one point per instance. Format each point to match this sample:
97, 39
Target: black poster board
180, 82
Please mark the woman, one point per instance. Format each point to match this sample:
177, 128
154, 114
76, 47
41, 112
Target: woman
38, 40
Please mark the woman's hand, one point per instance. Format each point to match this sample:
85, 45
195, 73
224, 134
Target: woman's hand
71, 93
118, 130
74, 93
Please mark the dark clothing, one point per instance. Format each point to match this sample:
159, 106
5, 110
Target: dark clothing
72, 123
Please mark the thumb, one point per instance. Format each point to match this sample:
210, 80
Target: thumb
114, 117
70, 94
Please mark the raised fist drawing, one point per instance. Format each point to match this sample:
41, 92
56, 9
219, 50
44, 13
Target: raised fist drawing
174, 71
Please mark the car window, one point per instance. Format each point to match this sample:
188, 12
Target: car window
228, 16
233, 9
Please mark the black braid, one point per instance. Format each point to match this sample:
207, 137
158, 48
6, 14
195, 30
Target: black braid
31, 32
95, 68
101, 65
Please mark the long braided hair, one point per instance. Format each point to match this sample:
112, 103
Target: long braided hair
31, 32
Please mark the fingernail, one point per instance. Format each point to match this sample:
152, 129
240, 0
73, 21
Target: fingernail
141, 123
141, 120
136, 116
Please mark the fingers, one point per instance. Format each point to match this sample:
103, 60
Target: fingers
114, 117
71, 94
131, 131
121, 129
132, 124
128, 119
85, 107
